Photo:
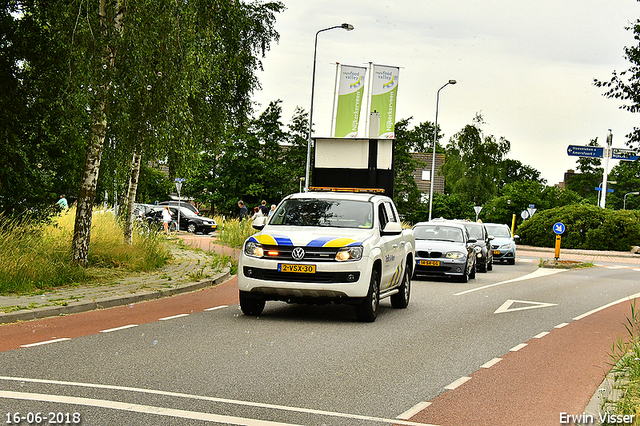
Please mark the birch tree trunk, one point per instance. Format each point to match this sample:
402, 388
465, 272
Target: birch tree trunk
91, 170
127, 237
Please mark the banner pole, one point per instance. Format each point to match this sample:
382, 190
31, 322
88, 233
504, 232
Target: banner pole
335, 95
368, 106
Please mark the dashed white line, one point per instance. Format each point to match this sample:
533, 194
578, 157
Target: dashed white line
173, 317
457, 383
541, 335
517, 348
564, 324
124, 327
491, 363
216, 307
46, 342
413, 410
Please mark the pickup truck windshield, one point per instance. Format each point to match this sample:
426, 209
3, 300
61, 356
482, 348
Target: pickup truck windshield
324, 212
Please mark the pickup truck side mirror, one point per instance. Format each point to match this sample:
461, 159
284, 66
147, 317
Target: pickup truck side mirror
259, 222
392, 228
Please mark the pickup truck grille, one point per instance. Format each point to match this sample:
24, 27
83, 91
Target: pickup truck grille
316, 254
318, 277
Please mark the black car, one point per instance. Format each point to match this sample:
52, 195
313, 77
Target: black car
185, 204
482, 246
189, 221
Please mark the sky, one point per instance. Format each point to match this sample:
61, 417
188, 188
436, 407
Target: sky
526, 66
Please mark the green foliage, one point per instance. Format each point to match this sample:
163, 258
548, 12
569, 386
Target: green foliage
407, 196
233, 233
587, 227
37, 256
472, 168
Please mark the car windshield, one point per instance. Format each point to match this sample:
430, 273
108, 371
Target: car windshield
499, 231
324, 212
438, 233
475, 231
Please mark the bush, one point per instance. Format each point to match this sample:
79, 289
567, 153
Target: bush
587, 227
233, 233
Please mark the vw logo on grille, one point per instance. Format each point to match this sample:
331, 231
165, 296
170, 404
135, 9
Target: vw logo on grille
298, 253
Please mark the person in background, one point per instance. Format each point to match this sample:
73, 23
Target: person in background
256, 213
263, 208
62, 202
243, 213
273, 209
166, 219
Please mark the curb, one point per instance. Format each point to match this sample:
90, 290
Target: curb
580, 252
109, 302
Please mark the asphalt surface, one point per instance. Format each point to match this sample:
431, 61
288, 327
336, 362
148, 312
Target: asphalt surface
490, 396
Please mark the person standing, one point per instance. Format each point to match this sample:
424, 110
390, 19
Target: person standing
166, 219
62, 202
263, 208
243, 213
273, 209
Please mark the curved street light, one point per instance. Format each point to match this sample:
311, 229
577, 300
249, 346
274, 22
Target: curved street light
624, 205
347, 27
433, 158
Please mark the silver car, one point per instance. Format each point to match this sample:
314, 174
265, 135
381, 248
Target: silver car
502, 244
444, 249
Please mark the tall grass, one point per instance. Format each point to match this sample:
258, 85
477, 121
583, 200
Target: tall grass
38, 256
625, 357
233, 233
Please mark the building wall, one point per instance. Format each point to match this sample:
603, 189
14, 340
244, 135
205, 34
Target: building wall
425, 185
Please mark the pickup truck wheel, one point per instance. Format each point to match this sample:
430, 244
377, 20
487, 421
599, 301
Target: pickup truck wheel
251, 306
401, 299
367, 311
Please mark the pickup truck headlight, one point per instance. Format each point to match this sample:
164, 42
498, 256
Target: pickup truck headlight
455, 255
349, 253
253, 249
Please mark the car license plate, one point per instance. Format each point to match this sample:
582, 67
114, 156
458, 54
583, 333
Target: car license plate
429, 263
305, 269
496, 252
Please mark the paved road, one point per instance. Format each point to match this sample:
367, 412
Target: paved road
318, 366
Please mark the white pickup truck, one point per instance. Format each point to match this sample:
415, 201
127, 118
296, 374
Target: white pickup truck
321, 247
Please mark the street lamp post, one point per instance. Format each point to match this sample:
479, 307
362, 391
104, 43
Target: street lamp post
433, 158
347, 27
624, 204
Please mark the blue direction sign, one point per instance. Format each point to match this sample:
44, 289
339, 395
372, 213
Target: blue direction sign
624, 154
559, 228
609, 190
585, 151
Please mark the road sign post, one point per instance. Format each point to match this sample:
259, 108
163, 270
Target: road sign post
558, 228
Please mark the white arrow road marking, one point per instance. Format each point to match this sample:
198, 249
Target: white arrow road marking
542, 272
506, 306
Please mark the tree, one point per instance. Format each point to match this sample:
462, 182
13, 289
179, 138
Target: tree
514, 171
590, 176
472, 169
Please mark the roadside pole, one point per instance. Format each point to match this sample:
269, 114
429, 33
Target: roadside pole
605, 174
513, 224
558, 228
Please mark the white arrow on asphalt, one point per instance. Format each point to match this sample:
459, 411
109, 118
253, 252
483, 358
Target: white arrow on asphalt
506, 306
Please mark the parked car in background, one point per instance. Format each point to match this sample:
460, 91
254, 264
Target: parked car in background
189, 221
185, 204
444, 248
503, 244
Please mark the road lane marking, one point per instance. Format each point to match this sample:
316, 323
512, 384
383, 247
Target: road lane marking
517, 348
215, 399
564, 324
216, 307
138, 408
413, 410
124, 327
457, 383
624, 299
542, 272
491, 363
506, 306
541, 335
46, 342
173, 317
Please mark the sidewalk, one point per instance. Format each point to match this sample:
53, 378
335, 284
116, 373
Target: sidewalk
579, 254
189, 270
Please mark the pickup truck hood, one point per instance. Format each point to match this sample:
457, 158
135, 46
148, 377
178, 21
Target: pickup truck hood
311, 236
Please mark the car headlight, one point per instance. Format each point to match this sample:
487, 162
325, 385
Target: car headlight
349, 253
506, 246
455, 255
253, 249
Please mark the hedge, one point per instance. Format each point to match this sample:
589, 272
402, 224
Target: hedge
587, 227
